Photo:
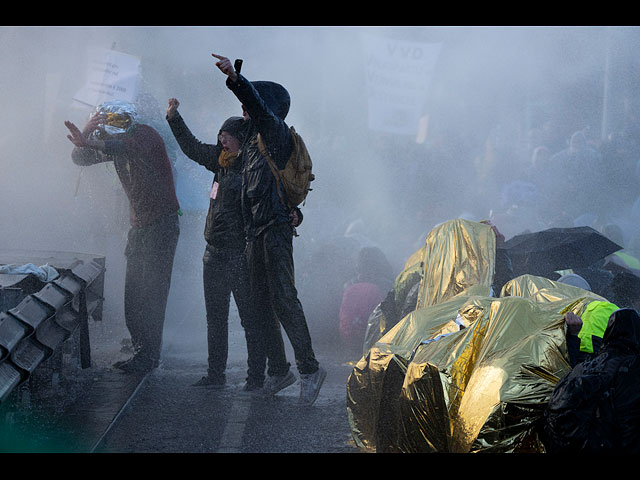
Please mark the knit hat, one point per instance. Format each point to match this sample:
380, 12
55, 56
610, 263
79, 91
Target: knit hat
234, 126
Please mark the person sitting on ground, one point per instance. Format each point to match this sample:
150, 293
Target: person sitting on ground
596, 407
585, 333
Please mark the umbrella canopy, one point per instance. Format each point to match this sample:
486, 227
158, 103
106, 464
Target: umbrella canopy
622, 261
541, 253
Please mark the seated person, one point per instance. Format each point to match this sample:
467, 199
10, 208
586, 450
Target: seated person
584, 334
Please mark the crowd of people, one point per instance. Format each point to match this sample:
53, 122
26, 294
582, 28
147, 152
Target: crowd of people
587, 182
595, 183
249, 232
249, 250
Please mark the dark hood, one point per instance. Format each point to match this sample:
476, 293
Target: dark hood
623, 331
275, 96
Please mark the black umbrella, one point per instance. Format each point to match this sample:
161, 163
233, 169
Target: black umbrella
540, 253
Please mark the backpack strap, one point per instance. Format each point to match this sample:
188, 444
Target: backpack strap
278, 178
274, 170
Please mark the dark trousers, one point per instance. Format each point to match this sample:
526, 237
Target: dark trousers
150, 251
271, 272
225, 272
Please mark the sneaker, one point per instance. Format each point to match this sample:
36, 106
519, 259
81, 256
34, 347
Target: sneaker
275, 383
137, 365
310, 384
208, 381
119, 363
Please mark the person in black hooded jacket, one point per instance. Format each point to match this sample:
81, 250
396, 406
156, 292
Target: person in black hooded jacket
596, 407
224, 262
269, 229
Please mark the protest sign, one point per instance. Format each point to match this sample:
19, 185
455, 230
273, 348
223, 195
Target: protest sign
398, 74
111, 75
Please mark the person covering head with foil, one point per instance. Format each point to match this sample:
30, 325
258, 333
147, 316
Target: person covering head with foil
117, 117
140, 158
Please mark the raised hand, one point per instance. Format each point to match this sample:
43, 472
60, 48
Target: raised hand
172, 108
574, 322
83, 138
76, 136
225, 66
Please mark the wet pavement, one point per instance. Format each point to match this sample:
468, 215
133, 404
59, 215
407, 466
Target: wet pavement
168, 414
162, 412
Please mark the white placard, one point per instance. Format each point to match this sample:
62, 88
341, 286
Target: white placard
111, 75
398, 74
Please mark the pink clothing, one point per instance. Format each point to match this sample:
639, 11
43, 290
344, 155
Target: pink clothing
358, 303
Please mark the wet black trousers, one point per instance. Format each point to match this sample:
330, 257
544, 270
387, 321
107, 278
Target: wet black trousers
225, 272
150, 251
271, 271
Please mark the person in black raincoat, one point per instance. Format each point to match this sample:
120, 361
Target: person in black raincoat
269, 229
224, 262
596, 407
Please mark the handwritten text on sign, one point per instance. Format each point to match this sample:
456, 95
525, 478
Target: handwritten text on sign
111, 75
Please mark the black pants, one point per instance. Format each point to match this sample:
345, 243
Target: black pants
150, 251
225, 272
271, 272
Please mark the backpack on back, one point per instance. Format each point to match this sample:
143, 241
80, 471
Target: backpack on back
297, 174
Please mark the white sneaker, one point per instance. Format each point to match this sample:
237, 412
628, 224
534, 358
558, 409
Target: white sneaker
310, 384
274, 384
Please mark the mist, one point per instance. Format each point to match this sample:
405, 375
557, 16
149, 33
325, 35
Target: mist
490, 97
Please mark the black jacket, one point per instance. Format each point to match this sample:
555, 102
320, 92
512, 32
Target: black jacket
224, 227
596, 407
267, 104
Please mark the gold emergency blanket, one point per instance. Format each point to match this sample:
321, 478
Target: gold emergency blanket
457, 255
470, 372
378, 323
440, 275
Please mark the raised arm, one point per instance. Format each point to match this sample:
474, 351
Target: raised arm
89, 149
203, 153
273, 129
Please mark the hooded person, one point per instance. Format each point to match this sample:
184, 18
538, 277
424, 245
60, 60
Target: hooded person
269, 231
138, 153
596, 407
224, 262
585, 333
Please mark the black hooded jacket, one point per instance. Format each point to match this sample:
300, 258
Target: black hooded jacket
224, 227
267, 104
596, 407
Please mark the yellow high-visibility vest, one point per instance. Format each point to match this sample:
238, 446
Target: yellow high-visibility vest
595, 319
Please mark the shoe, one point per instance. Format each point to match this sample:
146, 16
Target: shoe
119, 363
208, 381
310, 384
137, 365
273, 384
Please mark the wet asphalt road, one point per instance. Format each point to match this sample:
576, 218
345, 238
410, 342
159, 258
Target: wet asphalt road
168, 414
164, 413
